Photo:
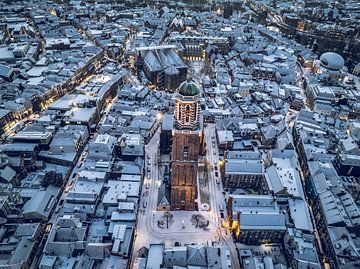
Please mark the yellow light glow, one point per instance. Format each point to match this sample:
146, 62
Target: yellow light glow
159, 116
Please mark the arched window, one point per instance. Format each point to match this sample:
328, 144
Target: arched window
195, 111
187, 111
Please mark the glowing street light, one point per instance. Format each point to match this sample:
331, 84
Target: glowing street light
159, 116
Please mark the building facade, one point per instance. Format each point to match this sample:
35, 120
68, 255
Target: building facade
186, 144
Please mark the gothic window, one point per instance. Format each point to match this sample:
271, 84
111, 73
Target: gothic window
183, 195
187, 111
186, 151
195, 111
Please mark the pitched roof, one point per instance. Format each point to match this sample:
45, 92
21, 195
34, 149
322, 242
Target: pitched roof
196, 256
7, 174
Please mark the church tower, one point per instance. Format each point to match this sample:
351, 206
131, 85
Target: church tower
187, 138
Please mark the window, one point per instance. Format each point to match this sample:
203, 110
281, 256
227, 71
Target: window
183, 196
195, 111
186, 151
187, 112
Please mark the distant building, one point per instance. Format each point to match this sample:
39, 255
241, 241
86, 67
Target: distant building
166, 133
244, 169
331, 65
4, 206
6, 118
40, 206
256, 219
347, 165
163, 66
194, 256
67, 237
195, 44
243, 174
300, 249
20, 244
225, 139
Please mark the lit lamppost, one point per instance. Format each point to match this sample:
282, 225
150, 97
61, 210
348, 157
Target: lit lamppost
159, 116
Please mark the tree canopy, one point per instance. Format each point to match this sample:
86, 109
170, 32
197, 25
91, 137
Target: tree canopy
52, 178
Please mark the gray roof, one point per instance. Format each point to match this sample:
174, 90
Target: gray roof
330, 207
332, 61
273, 180
274, 221
246, 155
39, 206
196, 255
18, 147
8, 174
233, 166
167, 122
256, 203
4, 112
155, 256
300, 214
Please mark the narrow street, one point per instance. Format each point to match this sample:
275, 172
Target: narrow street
216, 194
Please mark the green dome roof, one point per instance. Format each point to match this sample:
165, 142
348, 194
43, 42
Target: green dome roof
188, 88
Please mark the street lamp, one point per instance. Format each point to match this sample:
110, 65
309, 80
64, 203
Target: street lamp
159, 116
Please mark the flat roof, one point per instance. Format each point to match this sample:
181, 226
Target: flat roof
160, 47
269, 221
300, 214
32, 135
133, 178
155, 256
234, 167
64, 103
83, 114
